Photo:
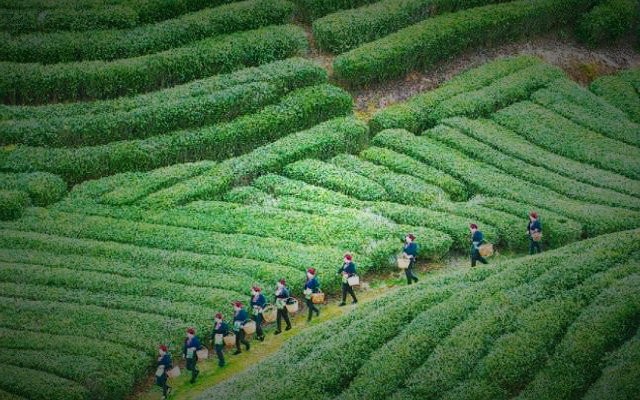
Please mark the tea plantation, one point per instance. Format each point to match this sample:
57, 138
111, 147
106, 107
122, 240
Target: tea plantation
160, 157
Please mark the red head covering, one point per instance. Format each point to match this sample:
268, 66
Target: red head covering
237, 304
533, 214
348, 256
191, 331
163, 348
411, 236
256, 289
219, 315
473, 226
282, 281
312, 271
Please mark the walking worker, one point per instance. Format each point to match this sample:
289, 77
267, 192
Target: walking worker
191, 346
240, 316
410, 250
220, 330
311, 286
534, 231
164, 365
348, 269
282, 294
258, 303
477, 238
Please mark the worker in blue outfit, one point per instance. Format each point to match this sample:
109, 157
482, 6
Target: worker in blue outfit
220, 330
240, 316
534, 231
410, 250
311, 286
477, 238
347, 270
258, 303
282, 295
164, 365
189, 351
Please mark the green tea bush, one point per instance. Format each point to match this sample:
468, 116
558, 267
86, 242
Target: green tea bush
291, 72
510, 143
314, 9
346, 30
415, 114
436, 39
49, 48
540, 126
12, 204
538, 175
584, 108
298, 110
607, 22
35, 84
620, 93
43, 188
33, 384
281, 186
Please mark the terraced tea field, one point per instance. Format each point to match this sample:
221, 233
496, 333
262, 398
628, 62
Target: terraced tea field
160, 157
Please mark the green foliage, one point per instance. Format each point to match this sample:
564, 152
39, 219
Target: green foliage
38, 385
458, 139
298, 110
439, 38
291, 72
346, 30
584, 108
43, 188
453, 335
541, 126
486, 179
314, 9
415, 114
607, 22
403, 164
35, 83
12, 204
280, 186
620, 93
49, 48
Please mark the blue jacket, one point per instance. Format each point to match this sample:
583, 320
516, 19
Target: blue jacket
313, 284
259, 301
195, 342
166, 361
349, 268
284, 294
477, 238
222, 329
534, 226
241, 316
411, 249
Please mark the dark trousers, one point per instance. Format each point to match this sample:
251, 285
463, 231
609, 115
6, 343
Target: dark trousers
282, 313
411, 276
475, 256
312, 308
162, 382
218, 348
192, 365
534, 246
348, 289
240, 339
258, 319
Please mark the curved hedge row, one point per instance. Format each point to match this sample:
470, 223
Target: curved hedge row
438, 38
35, 83
49, 48
469, 335
43, 188
314, 9
608, 22
280, 186
415, 114
302, 108
489, 180
346, 30
12, 204
93, 15
322, 141
540, 126
620, 93
283, 73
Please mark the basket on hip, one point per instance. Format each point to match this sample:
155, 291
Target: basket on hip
292, 305
486, 250
174, 372
536, 236
230, 340
269, 313
317, 298
403, 262
353, 280
249, 327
